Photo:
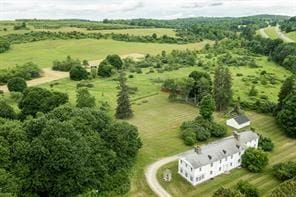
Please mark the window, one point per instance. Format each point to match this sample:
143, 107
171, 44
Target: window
211, 172
181, 170
231, 156
226, 159
230, 164
200, 169
239, 153
191, 169
191, 178
220, 161
239, 161
186, 174
186, 165
202, 176
211, 164
181, 161
220, 168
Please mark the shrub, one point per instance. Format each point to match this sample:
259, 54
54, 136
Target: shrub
189, 136
115, 61
265, 143
16, 84
6, 111
287, 187
254, 160
226, 192
65, 65
253, 91
4, 45
105, 70
16, 96
202, 134
285, 171
84, 83
78, 73
247, 189
218, 130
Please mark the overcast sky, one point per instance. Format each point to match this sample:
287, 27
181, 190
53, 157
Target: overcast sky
167, 9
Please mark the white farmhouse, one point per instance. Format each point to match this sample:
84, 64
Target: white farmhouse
205, 162
239, 122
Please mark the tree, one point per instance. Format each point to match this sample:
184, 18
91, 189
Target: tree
265, 143
247, 189
78, 73
222, 88
254, 160
105, 69
115, 61
189, 136
207, 107
226, 192
123, 109
6, 111
284, 171
288, 86
4, 45
16, 84
84, 99
40, 100
287, 116
85, 63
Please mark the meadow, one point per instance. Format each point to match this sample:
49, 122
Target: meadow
291, 35
44, 53
271, 32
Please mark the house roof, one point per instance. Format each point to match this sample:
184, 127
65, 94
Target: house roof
219, 149
241, 119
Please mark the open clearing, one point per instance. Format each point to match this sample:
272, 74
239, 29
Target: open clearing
43, 53
284, 150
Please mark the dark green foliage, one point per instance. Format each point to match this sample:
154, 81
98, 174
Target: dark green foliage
65, 65
247, 189
67, 152
27, 71
226, 192
260, 106
78, 73
6, 111
289, 25
287, 116
105, 69
4, 45
289, 85
253, 91
189, 136
40, 100
265, 144
201, 129
254, 160
287, 187
207, 107
22, 26
248, 32
123, 109
285, 53
115, 61
84, 99
16, 84
222, 88
285, 171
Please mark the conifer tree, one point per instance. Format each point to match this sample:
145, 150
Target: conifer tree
222, 88
123, 109
207, 107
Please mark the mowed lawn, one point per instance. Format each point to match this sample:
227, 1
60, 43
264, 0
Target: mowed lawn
291, 35
44, 53
284, 150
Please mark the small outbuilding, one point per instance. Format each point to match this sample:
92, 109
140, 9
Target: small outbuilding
167, 175
239, 122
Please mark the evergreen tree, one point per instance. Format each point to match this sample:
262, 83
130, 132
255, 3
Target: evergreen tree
222, 88
123, 109
207, 107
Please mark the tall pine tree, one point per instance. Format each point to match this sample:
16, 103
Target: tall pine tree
123, 109
222, 88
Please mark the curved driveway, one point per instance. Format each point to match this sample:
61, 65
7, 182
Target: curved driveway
151, 175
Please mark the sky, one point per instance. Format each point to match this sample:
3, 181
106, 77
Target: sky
161, 9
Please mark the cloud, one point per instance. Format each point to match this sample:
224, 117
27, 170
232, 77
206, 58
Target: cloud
216, 4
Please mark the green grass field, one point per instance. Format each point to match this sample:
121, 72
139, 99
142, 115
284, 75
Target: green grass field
271, 32
284, 150
44, 53
291, 35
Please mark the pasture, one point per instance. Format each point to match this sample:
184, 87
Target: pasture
284, 150
291, 35
271, 32
44, 53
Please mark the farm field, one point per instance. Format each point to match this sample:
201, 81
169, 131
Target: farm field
264, 181
44, 53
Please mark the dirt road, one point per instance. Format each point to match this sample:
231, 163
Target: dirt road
151, 175
282, 36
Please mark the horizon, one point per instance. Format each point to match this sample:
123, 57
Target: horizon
131, 9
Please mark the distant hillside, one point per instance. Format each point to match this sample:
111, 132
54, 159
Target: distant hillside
289, 25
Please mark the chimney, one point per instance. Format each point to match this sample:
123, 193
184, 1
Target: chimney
236, 135
197, 149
